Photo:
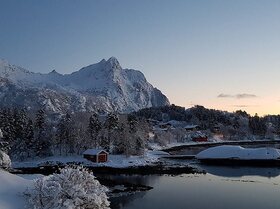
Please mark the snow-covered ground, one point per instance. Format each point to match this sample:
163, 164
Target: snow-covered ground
30, 176
116, 161
238, 152
11, 190
156, 146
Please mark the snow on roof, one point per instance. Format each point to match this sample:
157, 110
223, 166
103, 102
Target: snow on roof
93, 151
199, 134
191, 126
172, 122
230, 151
159, 129
164, 123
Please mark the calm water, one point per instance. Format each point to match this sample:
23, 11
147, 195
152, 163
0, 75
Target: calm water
220, 188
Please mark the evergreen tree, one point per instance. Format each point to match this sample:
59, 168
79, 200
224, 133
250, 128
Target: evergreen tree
60, 135
257, 125
131, 136
3, 144
139, 134
42, 144
121, 142
94, 127
111, 126
70, 133
8, 129
20, 122
65, 135
19, 147
277, 126
29, 138
40, 121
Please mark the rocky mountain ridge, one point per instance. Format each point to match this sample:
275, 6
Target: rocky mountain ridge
102, 87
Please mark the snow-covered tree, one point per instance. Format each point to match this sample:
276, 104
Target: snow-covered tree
3, 144
19, 123
179, 134
163, 137
73, 188
94, 127
132, 135
65, 136
110, 130
257, 125
5, 161
42, 143
19, 148
142, 136
7, 126
277, 125
29, 138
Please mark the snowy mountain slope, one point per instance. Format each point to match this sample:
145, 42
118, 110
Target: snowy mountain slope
103, 86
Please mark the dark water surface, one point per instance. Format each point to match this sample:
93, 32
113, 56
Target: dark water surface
220, 188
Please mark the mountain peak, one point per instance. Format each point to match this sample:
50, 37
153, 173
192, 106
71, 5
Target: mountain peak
113, 61
54, 72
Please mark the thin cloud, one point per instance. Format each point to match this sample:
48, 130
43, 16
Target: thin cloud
237, 96
225, 96
244, 106
241, 106
243, 96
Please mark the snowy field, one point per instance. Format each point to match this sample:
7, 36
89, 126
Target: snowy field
20, 191
115, 161
11, 189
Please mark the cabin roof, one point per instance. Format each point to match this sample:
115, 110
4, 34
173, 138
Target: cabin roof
93, 151
190, 126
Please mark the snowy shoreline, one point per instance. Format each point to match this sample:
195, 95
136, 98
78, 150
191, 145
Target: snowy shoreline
149, 163
114, 161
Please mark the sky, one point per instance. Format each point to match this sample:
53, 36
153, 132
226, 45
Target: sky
216, 53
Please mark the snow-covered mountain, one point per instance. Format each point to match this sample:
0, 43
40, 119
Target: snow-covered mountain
104, 86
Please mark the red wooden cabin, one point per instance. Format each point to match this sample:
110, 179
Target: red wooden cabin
200, 139
96, 155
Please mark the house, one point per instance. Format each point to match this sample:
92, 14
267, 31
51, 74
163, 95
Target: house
96, 155
165, 125
199, 137
216, 129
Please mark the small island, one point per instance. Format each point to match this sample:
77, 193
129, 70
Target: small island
237, 155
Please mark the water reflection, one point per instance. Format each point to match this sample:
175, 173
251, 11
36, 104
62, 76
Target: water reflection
122, 201
221, 187
241, 171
